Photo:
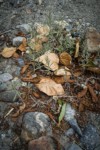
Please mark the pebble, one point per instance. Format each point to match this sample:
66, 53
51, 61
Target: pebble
9, 96
25, 28
5, 77
90, 139
69, 132
43, 143
34, 125
17, 40
20, 62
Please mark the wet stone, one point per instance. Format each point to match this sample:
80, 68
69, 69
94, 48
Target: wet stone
90, 139
9, 96
34, 125
43, 143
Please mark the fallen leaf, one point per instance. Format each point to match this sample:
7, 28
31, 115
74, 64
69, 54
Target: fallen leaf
21, 108
65, 59
62, 72
82, 93
77, 73
22, 47
77, 48
62, 79
36, 94
43, 29
16, 55
97, 86
24, 68
94, 69
41, 38
94, 97
50, 87
31, 79
8, 52
38, 47
62, 113
50, 60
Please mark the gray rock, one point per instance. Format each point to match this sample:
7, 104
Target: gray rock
5, 77
69, 132
34, 125
17, 41
97, 148
90, 139
70, 118
25, 28
72, 146
9, 96
43, 143
92, 41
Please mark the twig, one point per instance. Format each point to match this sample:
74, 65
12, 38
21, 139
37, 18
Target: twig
9, 112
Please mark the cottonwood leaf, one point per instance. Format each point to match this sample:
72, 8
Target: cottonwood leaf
50, 87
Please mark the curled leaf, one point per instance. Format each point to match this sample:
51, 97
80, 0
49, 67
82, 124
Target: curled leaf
65, 59
22, 47
82, 93
94, 97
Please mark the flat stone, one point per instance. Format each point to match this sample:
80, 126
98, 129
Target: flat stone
9, 96
25, 28
43, 143
17, 40
92, 41
34, 125
90, 139
5, 77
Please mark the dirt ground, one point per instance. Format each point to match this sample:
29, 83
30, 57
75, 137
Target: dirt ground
14, 12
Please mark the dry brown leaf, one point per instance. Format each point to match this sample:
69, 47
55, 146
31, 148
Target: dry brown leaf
77, 73
97, 86
50, 87
22, 47
94, 97
38, 47
24, 68
16, 55
63, 79
82, 93
65, 59
50, 60
77, 48
94, 69
8, 52
21, 108
62, 72
31, 79
36, 94
43, 29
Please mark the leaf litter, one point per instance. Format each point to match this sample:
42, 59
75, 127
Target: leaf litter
55, 65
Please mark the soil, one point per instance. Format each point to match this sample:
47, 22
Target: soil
28, 11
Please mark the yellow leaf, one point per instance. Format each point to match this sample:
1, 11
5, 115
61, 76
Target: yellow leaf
8, 52
50, 87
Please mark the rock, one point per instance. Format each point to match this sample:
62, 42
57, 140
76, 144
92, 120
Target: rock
92, 41
72, 146
16, 3
90, 139
1, 1
20, 61
97, 148
43, 143
25, 28
17, 40
34, 125
5, 77
69, 132
9, 96
70, 118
